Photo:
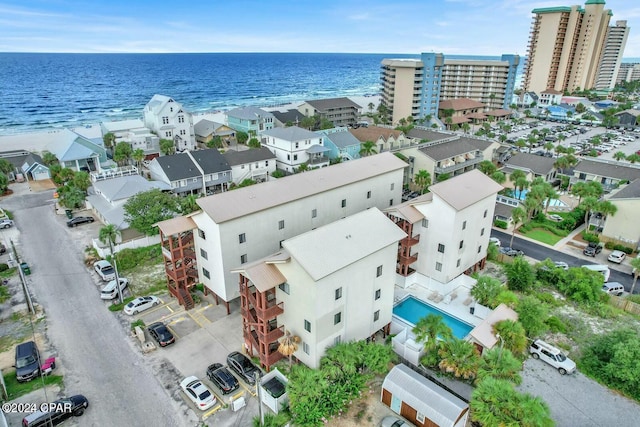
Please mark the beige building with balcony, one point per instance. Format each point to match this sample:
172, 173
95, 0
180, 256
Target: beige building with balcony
612, 55
565, 47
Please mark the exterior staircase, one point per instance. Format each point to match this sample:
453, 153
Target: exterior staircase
185, 296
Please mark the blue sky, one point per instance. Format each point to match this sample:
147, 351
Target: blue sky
479, 27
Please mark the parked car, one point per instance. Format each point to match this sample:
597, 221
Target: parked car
199, 394
561, 264
391, 421
27, 361
553, 356
617, 256
105, 270
243, 366
555, 217
613, 288
495, 241
141, 304
110, 291
62, 409
74, 222
511, 251
222, 378
161, 334
593, 249
6, 223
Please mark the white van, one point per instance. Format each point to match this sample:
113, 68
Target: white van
602, 269
553, 356
613, 288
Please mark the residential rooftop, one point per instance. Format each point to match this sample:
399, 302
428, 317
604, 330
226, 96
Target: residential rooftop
465, 189
629, 191
449, 149
608, 169
235, 158
540, 165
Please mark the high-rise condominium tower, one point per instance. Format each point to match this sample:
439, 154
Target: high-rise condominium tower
612, 55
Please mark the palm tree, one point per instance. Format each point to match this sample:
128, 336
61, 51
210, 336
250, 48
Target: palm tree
522, 184
517, 217
108, 234
138, 156
487, 167
188, 204
512, 335
429, 329
633, 158
619, 155
423, 180
516, 175
531, 141
466, 127
499, 177
520, 143
459, 358
606, 208
589, 204
548, 146
48, 158
168, 147
559, 149
109, 140
579, 189
288, 345
82, 180
635, 264
367, 148
499, 363
371, 106
561, 163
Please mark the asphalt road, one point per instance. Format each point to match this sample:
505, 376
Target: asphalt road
540, 252
99, 359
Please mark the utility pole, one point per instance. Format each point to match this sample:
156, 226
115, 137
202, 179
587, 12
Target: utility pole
23, 279
259, 399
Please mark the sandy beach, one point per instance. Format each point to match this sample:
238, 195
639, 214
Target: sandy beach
36, 141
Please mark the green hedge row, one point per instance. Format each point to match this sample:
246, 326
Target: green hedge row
500, 224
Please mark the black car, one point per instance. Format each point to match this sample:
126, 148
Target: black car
592, 249
161, 334
59, 411
511, 251
222, 378
243, 366
74, 222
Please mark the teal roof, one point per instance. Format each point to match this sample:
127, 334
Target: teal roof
594, 2
552, 9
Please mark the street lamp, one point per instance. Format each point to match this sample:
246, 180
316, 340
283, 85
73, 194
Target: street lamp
501, 345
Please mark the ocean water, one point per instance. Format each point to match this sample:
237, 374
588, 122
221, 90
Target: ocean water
44, 90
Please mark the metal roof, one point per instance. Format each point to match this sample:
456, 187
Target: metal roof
608, 169
437, 404
248, 113
629, 191
234, 204
407, 210
263, 273
176, 225
332, 104
483, 333
292, 133
234, 157
540, 165
466, 189
342, 139
454, 148
124, 187
332, 247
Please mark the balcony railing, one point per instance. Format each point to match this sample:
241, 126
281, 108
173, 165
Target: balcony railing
410, 241
407, 260
461, 165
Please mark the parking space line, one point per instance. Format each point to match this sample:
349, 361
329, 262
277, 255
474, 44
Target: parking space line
173, 332
212, 411
237, 395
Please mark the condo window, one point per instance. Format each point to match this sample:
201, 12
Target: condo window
376, 315
379, 271
243, 258
390, 202
242, 238
281, 243
479, 249
338, 293
425, 223
203, 254
305, 347
281, 224
295, 157
288, 156
205, 273
344, 203
284, 287
378, 294
461, 244
482, 232
458, 263
297, 145
420, 417
438, 266
307, 326
393, 185
440, 248
337, 340
201, 234
464, 225
314, 213
368, 194
485, 213
337, 318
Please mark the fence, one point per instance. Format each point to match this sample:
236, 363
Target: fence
625, 304
130, 244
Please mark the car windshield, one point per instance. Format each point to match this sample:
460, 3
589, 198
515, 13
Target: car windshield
25, 361
107, 270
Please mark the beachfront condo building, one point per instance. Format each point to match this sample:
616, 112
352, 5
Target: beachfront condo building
329, 285
237, 227
628, 72
415, 87
565, 47
611, 57
169, 120
448, 229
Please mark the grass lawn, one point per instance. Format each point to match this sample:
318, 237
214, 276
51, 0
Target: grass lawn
16, 389
544, 236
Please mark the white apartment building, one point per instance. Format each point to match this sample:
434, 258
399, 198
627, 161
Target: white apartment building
247, 224
294, 146
449, 228
612, 53
335, 285
168, 119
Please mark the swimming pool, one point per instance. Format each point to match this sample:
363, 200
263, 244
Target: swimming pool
411, 310
521, 195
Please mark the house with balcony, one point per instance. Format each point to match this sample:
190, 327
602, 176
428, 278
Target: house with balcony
135, 134
250, 120
339, 111
192, 172
533, 165
609, 173
447, 229
206, 130
342, 144
624, 226
76, 152
294, 146
288, 118
329, 285
462, 110
247, 224
255, 164
169, 120
550, 97
385, 139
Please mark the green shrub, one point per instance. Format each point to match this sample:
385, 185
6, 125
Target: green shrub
556, 325
609, 245
130, 258
627, 250
3, 267
525, 228
590, 237
135, 323
546, 298
277, 174
500, 224
634, 298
